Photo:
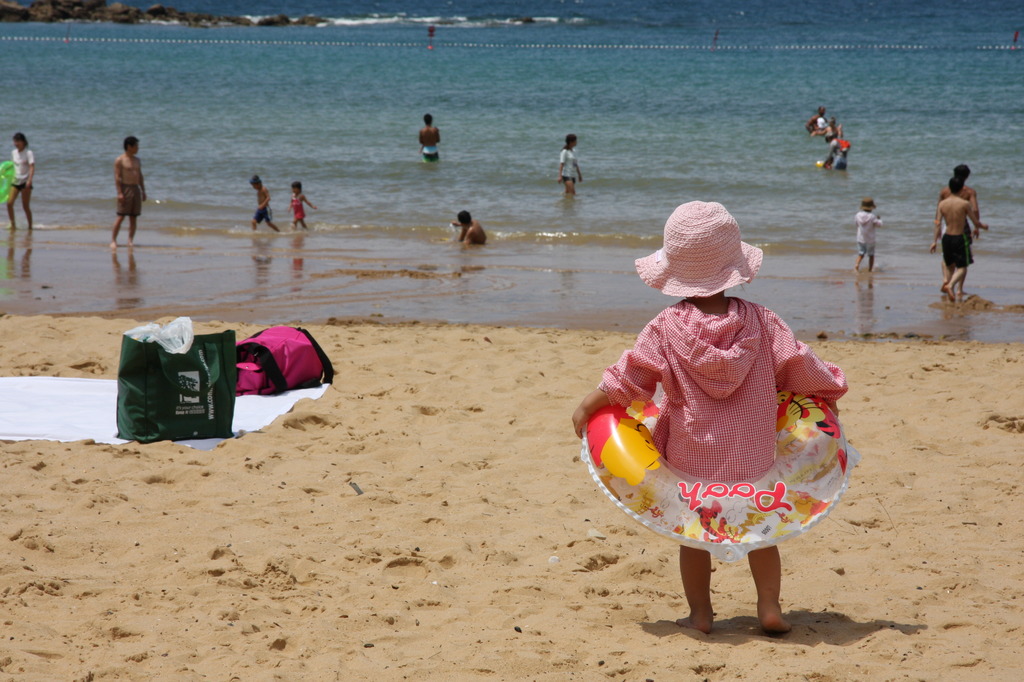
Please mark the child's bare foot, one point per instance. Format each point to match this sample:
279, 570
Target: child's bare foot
113, 246
772, 622
695, 621
948, 292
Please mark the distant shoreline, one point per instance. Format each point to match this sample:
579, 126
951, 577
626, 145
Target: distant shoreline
53, 11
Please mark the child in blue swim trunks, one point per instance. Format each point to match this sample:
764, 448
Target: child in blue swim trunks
263, 213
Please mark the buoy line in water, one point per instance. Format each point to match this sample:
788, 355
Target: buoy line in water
471, 45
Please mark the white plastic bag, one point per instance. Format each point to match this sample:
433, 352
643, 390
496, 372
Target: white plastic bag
175, 337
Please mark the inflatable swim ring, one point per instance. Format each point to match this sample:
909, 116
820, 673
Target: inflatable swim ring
728, 519
6, 180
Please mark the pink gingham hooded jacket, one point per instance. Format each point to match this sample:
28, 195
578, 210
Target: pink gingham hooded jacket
720, 375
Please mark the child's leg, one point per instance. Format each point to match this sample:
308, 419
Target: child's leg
132, 224
871, 262
272, 226
695, 569
856, 266
766, 567
26, 203
956, 283
10, 207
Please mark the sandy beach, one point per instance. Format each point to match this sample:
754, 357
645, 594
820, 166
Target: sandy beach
429, 517
407, 524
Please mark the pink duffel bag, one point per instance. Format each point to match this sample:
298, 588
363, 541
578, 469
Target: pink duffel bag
280, 359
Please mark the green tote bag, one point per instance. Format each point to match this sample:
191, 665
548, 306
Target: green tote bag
173, 396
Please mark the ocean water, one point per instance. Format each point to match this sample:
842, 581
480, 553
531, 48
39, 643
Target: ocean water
671, 102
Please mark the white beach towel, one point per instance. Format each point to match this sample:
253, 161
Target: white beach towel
67, 409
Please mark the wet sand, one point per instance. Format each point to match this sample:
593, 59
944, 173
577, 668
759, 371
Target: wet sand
313, 277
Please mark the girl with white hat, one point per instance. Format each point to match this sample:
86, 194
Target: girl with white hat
866, 223
721, 362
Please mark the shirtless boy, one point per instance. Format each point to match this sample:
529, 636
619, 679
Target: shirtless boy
263, 213
131, 190
963, 172
956, 247
429, 139
472, 231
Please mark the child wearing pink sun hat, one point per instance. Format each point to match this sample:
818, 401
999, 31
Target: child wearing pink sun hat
721, 361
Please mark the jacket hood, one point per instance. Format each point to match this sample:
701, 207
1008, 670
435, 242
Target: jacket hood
716, 351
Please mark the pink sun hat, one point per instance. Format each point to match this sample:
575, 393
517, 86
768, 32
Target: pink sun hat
701, 255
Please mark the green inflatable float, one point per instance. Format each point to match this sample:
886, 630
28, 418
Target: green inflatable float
6, 180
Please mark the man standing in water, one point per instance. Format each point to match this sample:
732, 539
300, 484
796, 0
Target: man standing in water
816, 124
956, 245
131, 190
430, 137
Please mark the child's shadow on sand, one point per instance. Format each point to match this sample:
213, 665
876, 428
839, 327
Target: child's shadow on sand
809, 628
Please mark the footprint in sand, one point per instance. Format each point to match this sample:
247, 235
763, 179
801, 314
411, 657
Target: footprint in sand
406, 567
300, 421
1011, 424
599, 562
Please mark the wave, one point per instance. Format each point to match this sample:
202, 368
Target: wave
401, 18
442, 232
638, 241
433, 233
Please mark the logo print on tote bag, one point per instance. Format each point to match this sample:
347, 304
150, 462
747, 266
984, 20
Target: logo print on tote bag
190, 381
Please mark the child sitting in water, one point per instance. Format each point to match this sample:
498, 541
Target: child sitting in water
296, 209
471, 232
721, 362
